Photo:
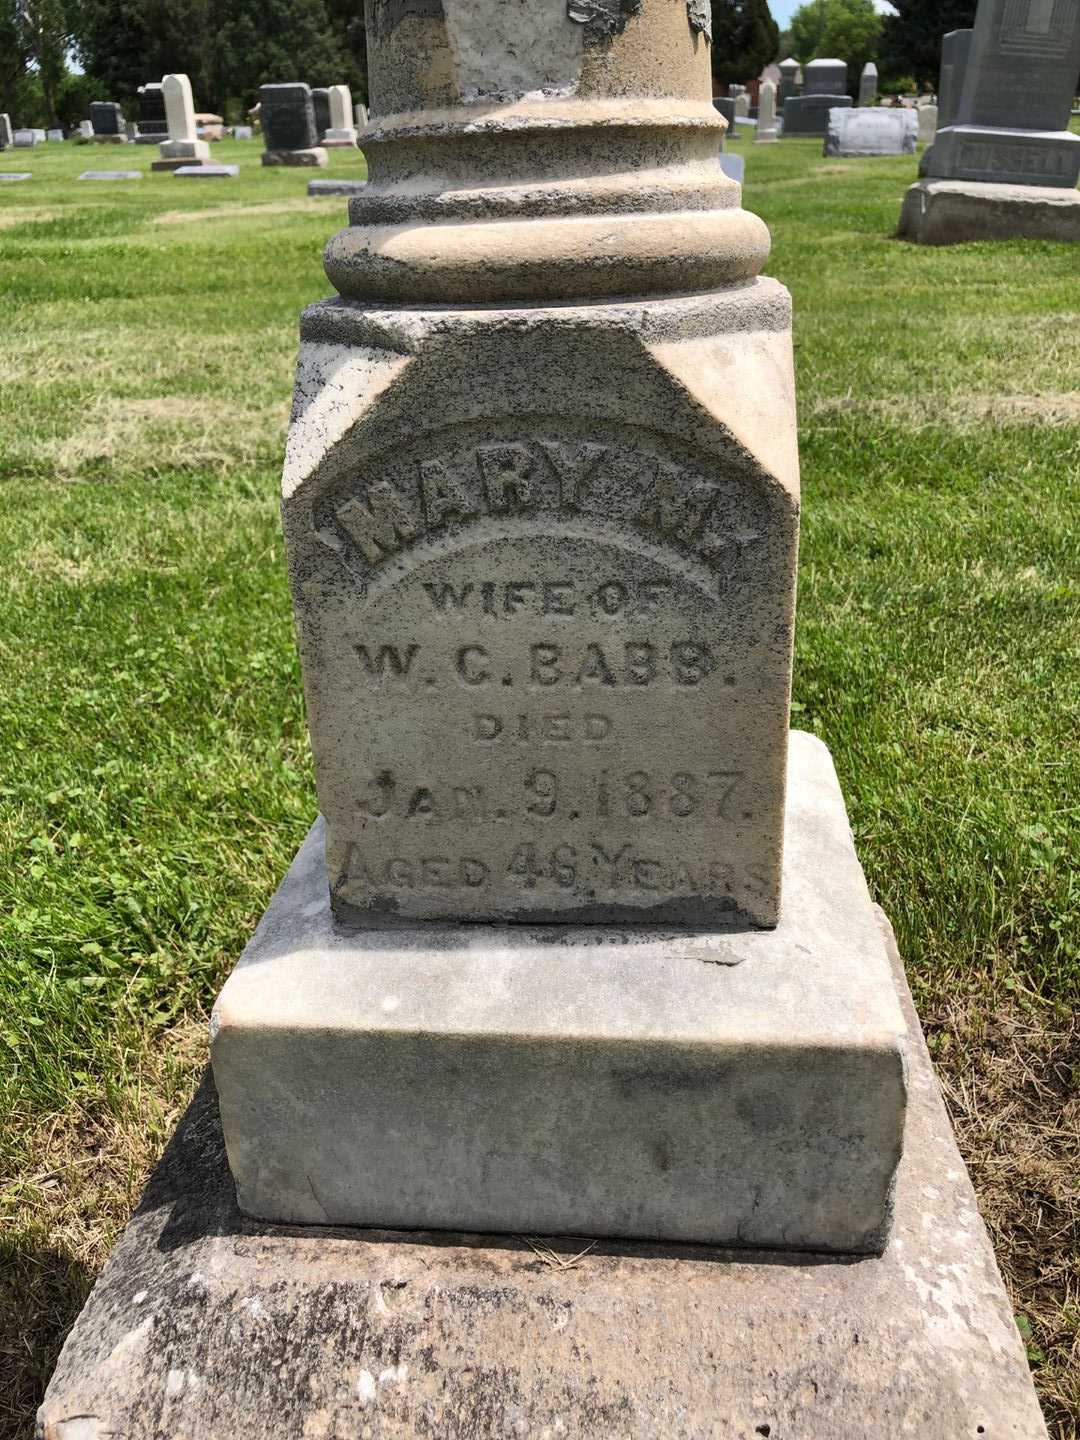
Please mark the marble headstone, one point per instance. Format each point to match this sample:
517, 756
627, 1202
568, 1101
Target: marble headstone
824, 88
360, 112
23, 139
341, 131
183, 146
54, 134
928, 115
872, 131
289, 131
5, 131
766, 124
1008, 118
868, 85
106, 117
320, 99
86, 129
150, 115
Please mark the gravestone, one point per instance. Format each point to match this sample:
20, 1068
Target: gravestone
1010, 124
546, 644
320, 99
766, 123
791, 79
23, 139
207, 172
5, 132
341, 132
336, 187
54, 134
111, 175
742, 106
734, 167
927, 121
288, 125
540, 504
150, 114
183, 147
40, 136
868, 85
1003, 125
874, 131
86, 129
242, 132
726, 107
9, 175
824, 87
107, 120
360, 113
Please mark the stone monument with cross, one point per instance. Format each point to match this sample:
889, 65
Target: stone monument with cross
1003, 163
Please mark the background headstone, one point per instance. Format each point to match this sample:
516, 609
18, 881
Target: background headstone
183, 147
955, 49
288, 125
341, 131
790, 80
824, 88
876, 130
86, 129
868, 84
8, 175
360, 113
40, 135
1009, 121
107, 118
54, 134
766, 124
207, 172
5, 131
726, 107
320, 99
242, 132
150, 116
928, 115
742, 106
734, 167
23, 139
111, 175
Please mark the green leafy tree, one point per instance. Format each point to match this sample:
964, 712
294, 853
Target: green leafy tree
847, 30
14, 59
46, 37
745, 39
270, 42
123, 45
911, 39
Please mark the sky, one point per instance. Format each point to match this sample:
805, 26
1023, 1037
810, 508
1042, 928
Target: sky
782, 10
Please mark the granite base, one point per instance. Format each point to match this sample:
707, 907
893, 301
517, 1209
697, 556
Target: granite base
948, 212
316, 157
741, 1086
206, 1324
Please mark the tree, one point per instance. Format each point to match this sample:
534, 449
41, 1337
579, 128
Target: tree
123, 45
911, 39
14, 57
745, 38
846, 30
270, 42
46, 39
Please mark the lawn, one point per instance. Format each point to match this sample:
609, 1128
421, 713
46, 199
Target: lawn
158, 775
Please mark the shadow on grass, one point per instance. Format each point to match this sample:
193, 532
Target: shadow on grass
42, 1290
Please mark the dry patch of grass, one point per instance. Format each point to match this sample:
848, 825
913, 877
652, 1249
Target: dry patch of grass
1009, 1065
60, 1217
963, 410
308, 205
26, 216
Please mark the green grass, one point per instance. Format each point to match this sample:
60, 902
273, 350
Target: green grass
158, 775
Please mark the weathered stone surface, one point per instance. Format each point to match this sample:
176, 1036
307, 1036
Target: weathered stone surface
23, 139
947, 212
150, 117
207, 1324
5, 131
512, 1079
183, 144
111, 175
825, 77
766, 121
54, 135
955, 49
927, 122
207, 172
86, 129
876, 131
288, 119
1012, 106
536, 631
340, 132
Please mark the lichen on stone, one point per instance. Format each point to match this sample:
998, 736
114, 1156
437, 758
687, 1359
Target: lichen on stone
602, 18
700, 13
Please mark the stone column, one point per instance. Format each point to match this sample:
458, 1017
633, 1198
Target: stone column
341, 132
183, 146
766, 124
535, 970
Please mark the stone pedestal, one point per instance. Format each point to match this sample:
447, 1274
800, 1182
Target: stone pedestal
743, 1087
205, 1323
947, 212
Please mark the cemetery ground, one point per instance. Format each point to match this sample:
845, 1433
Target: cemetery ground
157, 778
